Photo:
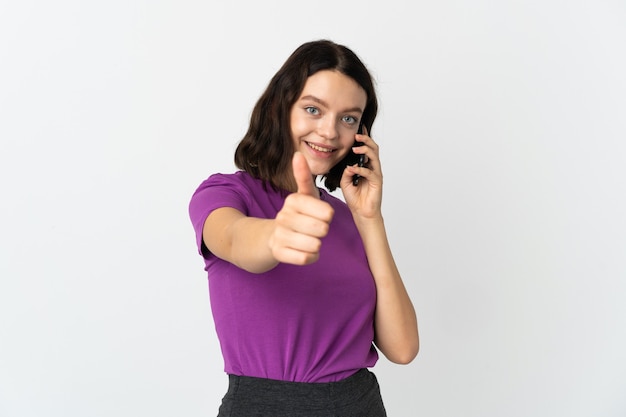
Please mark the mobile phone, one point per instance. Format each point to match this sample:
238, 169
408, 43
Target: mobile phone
360, 159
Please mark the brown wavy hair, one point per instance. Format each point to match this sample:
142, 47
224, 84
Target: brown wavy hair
266, 150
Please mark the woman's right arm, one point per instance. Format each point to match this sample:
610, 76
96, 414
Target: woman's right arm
258, 245
240, 240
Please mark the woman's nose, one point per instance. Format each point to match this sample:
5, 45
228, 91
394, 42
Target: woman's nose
327, 128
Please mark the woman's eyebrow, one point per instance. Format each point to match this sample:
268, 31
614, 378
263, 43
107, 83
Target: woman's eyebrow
323, 103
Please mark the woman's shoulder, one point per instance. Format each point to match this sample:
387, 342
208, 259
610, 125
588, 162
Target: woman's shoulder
239, 184
235, 179
224, 189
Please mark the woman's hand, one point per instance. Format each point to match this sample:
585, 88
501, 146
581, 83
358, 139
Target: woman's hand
364, 199
302, 222
258, 245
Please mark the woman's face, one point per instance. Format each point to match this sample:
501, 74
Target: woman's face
325, 119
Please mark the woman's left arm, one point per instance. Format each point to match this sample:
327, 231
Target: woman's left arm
395, 322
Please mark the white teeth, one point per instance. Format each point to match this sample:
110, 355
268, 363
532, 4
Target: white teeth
319, 148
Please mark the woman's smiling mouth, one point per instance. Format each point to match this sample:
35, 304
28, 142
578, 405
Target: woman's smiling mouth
319, 148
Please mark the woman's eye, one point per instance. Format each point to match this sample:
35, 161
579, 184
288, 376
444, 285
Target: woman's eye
312, 110
350, 120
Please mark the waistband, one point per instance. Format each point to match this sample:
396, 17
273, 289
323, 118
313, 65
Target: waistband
314, 395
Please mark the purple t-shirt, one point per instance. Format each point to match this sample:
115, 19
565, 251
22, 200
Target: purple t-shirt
310, 323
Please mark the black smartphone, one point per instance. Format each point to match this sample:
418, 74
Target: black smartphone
357, 159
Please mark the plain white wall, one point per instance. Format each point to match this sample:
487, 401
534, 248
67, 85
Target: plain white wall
502, 131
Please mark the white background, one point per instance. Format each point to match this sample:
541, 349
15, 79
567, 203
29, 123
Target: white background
502, 131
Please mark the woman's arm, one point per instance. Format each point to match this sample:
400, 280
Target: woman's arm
258, 245
395, 322
240, 240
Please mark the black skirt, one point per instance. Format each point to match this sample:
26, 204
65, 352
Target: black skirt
355, 396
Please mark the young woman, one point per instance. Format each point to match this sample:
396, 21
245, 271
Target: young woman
304, 289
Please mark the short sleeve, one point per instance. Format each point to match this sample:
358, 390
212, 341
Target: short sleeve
219, 190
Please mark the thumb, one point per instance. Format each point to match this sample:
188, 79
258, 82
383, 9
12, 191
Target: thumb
303, 176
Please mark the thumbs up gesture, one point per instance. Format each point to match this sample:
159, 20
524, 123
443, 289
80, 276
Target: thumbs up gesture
302, 222
303, 176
